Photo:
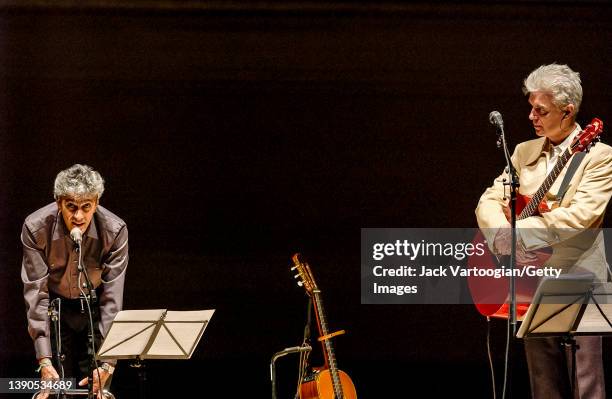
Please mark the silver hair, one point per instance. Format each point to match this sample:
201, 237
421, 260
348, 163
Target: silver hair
558, 80
78, 180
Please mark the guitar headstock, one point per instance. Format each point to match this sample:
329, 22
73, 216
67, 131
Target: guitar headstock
587, 138
304, 276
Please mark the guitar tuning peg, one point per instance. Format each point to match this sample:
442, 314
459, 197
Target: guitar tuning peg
296, 276
294, 267
300, 283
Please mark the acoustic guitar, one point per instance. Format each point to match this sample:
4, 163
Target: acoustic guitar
490, 295
326, 382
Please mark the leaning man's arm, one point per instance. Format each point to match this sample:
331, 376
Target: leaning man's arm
113, 280
35, 275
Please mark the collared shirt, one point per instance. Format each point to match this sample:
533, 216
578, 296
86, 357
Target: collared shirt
552, 154
555, 151
50, 264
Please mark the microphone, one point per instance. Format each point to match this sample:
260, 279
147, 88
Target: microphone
76, 235
496, 119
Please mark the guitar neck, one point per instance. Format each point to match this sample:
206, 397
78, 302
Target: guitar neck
537, 198
328, 349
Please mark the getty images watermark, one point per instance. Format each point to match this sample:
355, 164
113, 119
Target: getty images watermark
458, 266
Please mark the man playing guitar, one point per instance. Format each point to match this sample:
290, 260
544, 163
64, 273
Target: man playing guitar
564, 221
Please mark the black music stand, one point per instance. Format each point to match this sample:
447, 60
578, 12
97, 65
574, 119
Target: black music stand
153, 334
557, 306
597, 317
569, 306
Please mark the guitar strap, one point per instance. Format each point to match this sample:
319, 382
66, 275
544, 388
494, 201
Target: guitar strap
308, 321
571, 170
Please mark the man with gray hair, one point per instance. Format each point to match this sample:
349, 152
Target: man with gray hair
51, 275
567, 222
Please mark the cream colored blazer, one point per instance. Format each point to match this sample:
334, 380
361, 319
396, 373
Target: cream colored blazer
572, 229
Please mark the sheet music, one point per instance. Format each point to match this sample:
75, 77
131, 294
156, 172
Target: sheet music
592, 320
562, 321
180, 333
139, 315
144, 334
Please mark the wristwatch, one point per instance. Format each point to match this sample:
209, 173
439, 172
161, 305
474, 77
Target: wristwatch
108, 368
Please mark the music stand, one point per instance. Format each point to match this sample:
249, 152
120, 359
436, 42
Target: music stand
569, 306
557, 306
153, 334
598, 313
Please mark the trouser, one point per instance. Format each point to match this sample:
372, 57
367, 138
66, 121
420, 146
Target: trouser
74, 332
551, 365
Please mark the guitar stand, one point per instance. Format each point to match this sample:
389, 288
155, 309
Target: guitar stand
277, 355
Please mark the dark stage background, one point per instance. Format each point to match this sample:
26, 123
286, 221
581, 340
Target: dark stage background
233, 134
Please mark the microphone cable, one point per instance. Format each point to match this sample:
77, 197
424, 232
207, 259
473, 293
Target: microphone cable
83, 270
491, 358
304, 356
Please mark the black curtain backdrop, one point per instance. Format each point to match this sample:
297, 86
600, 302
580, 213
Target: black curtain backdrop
232, 135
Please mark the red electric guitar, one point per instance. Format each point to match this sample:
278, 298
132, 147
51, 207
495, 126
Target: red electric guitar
490, 295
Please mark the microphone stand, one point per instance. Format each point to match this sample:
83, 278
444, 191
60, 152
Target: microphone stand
91, 292
54, 311
55, 314
513, 185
